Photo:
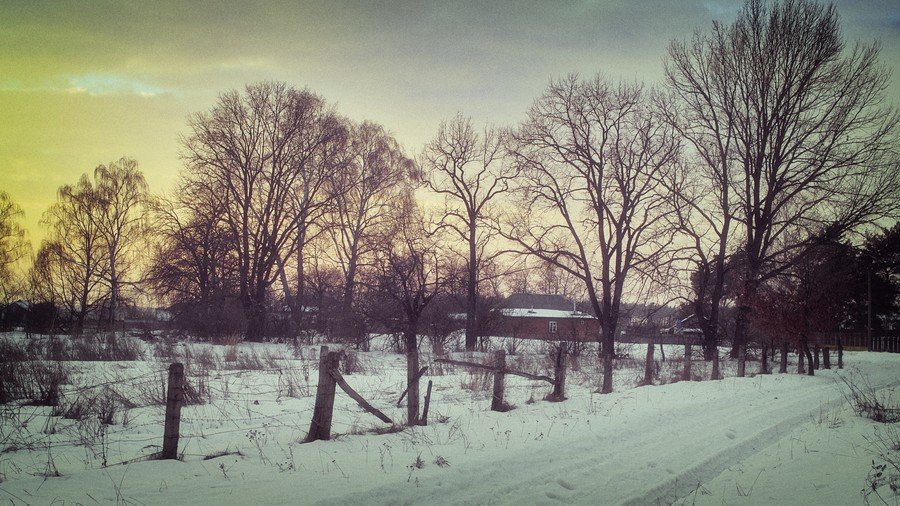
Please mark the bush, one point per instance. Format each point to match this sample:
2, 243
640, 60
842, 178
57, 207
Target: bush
867, 401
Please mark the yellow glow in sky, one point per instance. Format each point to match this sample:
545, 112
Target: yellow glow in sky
86, 83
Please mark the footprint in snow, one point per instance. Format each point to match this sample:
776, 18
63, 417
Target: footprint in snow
555, 497
565, 484
730, 434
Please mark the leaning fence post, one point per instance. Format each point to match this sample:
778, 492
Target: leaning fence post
686, 372
320, 428
424, 419
497, 403
648, 364
174, 398
840, 354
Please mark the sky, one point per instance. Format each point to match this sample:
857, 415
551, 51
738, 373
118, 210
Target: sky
86, 83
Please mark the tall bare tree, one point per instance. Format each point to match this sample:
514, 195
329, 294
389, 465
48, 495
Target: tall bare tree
468, 169
13, 247
409, 272
812, 145
193, 258
71, 266
326, 153
592, 155
124, 204
250, 150
371, 185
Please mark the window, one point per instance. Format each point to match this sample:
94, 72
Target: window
553, 327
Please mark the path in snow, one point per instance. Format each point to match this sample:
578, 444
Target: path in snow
659, 448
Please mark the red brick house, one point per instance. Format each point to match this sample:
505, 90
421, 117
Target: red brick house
545, 317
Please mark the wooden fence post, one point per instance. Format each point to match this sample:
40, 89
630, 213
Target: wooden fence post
174, 399
320, 428
826, 357
424, 419
649, 365
686, 372
559, 375
840, 354
497, 403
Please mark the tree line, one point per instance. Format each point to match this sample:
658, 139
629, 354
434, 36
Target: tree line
742, 187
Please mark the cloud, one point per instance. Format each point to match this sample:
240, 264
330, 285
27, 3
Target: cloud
110, 84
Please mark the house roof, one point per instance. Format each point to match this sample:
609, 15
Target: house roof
543, 313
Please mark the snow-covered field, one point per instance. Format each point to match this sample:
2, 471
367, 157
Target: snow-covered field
768, 439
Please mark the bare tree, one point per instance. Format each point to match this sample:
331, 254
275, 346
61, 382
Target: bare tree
326, 153
592, 156
123, 205
371, 186
409, 273
795, 126
13, 247
193, 263
250, 151
71, 266
470, 172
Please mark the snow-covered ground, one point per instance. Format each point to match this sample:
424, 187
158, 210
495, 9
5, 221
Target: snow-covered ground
768, 439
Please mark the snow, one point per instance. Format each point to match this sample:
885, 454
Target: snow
768, 439
543, 313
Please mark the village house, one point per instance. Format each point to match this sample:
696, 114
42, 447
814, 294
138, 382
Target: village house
545, 317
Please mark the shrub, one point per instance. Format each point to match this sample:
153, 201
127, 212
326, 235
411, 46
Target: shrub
867, 401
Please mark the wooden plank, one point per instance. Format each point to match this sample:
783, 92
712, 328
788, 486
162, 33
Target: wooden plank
358, 398
537, 377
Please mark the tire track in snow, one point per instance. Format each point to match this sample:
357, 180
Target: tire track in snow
647, 455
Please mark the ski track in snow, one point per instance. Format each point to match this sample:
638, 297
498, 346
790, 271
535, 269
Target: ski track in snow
680, 454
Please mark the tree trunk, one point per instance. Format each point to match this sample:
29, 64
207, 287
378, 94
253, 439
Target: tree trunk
649, 365
764, 360
113, 287
412, 379
607, 352
801, 360
716, 371
255, 312
811, 370
782, 368
742, 360
472, 293
607, 387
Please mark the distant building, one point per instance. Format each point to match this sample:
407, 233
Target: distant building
545, 317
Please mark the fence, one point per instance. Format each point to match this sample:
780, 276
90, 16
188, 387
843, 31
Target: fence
879, 341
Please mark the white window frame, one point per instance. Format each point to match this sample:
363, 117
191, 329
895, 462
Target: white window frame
553, 327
